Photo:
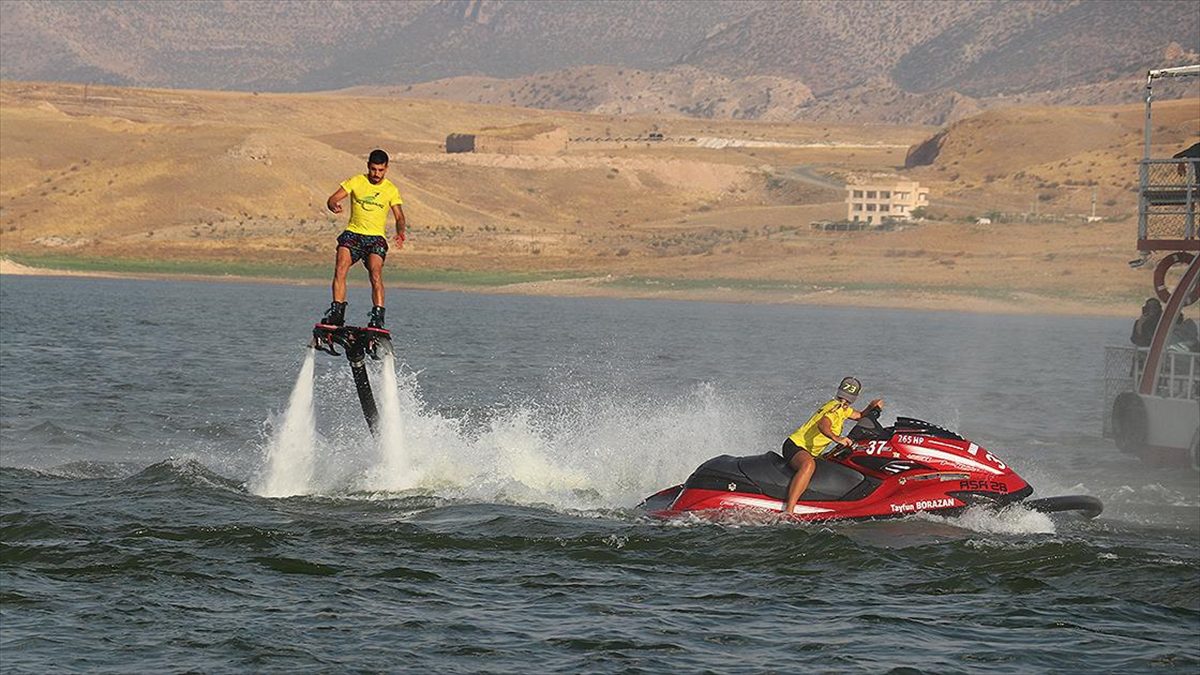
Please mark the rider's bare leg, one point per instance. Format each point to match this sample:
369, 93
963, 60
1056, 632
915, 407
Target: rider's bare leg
374, 265
341, 267
805, 465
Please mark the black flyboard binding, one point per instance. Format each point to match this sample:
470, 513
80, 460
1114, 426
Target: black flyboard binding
354, 340
357, 343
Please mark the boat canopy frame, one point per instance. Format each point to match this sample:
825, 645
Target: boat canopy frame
1168, 188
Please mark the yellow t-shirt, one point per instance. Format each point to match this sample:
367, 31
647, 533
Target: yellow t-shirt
809, 435
370, 204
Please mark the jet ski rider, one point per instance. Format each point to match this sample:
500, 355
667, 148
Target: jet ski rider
812, 438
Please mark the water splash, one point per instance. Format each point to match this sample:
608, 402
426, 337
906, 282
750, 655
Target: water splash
395, 470
591, 450
292, 448
1015, 519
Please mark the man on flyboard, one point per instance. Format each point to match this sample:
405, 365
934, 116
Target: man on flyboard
365, 238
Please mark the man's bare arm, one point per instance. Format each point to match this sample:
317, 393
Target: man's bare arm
401, 224
334, 203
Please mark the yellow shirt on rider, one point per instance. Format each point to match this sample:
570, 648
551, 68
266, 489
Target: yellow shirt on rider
809, 435
370, 204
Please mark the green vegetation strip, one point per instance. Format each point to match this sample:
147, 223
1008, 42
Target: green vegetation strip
883, 288
286, 271
214, 268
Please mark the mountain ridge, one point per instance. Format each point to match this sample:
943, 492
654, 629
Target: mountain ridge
910, 61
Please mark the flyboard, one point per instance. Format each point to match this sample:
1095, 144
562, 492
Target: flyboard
356, 343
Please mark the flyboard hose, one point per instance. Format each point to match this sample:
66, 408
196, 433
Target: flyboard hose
362, 383
358, 343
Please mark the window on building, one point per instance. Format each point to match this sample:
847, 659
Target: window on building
884, 207
870, 219
870, 194
885, 194
858, 194
870, 207
856, 219
857, 207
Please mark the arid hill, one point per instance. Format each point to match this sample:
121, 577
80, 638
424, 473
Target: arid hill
163, 175
901, 62
677, 91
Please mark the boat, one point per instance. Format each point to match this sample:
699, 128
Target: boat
1152, 393
910, 467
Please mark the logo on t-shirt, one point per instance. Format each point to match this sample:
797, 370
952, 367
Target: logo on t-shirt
368, 203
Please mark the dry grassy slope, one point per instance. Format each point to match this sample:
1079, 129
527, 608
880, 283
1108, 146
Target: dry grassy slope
1054, 154
221, 175
200, 170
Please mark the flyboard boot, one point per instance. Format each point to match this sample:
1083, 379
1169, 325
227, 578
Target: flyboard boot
375, 318
335, 315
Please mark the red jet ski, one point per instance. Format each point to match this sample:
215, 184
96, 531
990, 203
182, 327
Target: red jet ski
910, 467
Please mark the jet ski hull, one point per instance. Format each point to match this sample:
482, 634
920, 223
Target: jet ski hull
914, 467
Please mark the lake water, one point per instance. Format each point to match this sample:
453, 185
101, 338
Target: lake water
136, 418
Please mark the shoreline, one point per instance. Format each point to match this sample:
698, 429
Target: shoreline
928, 299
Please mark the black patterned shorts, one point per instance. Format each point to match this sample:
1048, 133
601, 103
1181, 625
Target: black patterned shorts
362, 245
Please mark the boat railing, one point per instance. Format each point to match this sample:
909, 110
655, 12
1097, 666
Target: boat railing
1178, 378
1168, 196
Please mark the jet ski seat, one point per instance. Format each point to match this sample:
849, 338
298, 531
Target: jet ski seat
768, 474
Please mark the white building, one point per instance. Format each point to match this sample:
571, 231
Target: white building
882, 200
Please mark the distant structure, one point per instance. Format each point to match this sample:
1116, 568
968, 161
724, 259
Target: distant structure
883, 199
522, 139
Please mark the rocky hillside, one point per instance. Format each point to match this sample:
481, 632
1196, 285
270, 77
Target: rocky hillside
305, 45
680, 90
909, 61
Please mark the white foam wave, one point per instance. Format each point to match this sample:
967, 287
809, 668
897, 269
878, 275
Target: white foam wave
1015, 519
